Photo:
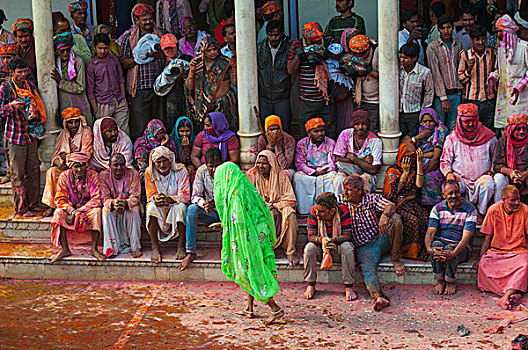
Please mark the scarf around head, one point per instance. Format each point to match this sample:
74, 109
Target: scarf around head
509, 38
394, 173
514, 121
223, 134
175, 136
151, 140
477, 137
162, 152
433, 139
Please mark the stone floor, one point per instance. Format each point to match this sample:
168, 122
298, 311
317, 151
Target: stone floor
190, 315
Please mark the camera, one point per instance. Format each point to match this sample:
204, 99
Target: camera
176, 70
311, 55
179, 67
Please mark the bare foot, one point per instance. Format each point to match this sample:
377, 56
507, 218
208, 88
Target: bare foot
48, 212
350, 294
98, 255
136, 253
187, 261
439, 287
309, 293
180, 253
155, 256
274, 316
293, 260
450, 288
505, 303
399, 268
60, 256
515, 299
381, 303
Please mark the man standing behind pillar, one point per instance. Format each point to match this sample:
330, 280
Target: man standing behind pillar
23, 32
79, 12
346, 19
146, 104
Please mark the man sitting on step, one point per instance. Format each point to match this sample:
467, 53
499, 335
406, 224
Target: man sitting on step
448, 239
372, 237
76, 136
78, 202
120, 194
202, 206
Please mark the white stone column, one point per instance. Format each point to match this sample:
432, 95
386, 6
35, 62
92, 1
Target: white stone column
45, 55
247, 83
389, 87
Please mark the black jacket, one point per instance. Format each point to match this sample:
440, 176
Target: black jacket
273, 78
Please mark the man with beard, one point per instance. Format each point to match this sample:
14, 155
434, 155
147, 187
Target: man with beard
467, 156
79, 14
109, 140
23, 32
78, 206
192, 37
146, 105
346, 19
503, 267
448, 239
120, 194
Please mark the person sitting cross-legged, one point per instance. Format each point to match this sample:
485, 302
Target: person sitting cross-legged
168, 193
78, 202
329, 229
273, 184
202, 208
373, 237
448, 240
120, 194
503, 266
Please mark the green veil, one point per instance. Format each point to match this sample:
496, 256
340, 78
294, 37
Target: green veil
248, 235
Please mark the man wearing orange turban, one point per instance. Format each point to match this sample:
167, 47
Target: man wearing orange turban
279, 142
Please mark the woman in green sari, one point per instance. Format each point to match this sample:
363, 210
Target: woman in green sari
248, 238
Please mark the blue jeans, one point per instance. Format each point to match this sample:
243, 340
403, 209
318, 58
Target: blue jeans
281, 108
449, 119
368, 257
195, 214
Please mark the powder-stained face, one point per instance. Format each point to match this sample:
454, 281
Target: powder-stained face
117, 166
520, 132
163, 165
512, 201
452, 195
263, 166
79, 170
318, 134
73, 125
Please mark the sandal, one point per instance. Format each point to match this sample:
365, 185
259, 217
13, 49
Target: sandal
246, 313
275, 316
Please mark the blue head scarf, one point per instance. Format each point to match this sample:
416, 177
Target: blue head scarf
176, 136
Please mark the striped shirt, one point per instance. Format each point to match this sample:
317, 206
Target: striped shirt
416, 89
475, 83
451, 225
345, 222
308, 90
443, 62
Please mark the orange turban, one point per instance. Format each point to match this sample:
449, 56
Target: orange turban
272, 120
270, 7
467, 111
9, 49
143, 10
76, 157
312, 31
359, 43
71, 112
22, 24
517, 118
313, 123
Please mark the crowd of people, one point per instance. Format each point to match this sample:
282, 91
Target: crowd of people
149, 140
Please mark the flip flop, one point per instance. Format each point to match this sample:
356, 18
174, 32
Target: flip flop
462, 330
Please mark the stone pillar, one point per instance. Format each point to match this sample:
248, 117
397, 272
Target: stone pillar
388, 79
45, 64
247, 83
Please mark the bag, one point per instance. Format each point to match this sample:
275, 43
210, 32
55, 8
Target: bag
81, 221
327, 262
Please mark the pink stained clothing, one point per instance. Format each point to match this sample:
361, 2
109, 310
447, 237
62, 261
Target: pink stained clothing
469, 162
499, 272
283, 151
202, 143
127, 188
372, 146
65, 199
187, 49
101, 156
82, 141
310, 158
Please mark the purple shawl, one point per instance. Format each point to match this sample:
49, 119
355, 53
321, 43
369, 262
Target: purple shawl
221, 127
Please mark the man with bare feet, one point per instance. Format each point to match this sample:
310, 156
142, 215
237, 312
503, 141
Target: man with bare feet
448, 239
203, 207
168, 192
373, 237
329, 229
503, 267
120, 194
78, 203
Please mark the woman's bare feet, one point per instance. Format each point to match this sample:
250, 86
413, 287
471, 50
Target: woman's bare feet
136, 253
381, 303
155, 256
180, 253
439, 288
98, 255
399, 268
187, 261
450, 288
350, 294
309, 293
60, 256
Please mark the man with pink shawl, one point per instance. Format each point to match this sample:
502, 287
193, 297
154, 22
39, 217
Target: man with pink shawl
503, 266
109, 140
467, 156
511, 76
274, 186
78, 202
75, 137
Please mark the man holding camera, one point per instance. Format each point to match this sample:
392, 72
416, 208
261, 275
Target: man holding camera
306, 59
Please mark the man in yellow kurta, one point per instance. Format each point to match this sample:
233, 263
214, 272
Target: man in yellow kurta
273, 184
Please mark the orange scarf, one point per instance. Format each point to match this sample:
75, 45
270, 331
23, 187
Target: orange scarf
34, 97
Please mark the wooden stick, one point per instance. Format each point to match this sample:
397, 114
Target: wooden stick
257, 115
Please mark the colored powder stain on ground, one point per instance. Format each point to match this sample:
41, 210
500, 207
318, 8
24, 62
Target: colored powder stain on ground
202, 315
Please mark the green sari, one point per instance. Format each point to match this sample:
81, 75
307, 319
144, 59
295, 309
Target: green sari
248, 235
